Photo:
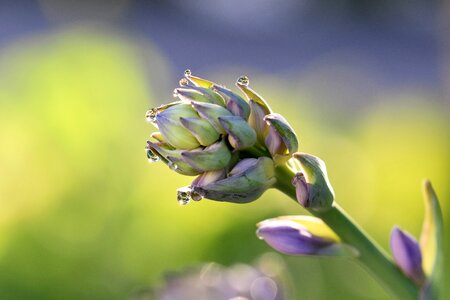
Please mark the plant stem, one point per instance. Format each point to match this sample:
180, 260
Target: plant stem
371, 255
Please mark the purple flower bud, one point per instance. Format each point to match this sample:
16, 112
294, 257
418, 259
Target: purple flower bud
208, 177
320, 192
301, 189
199, 94
203, 131
235, 104
281, 139
246, 182
240, 134
299, 235
243, 166
258, 110
407, 255
171, 157
212, 112
197, 81
214, 157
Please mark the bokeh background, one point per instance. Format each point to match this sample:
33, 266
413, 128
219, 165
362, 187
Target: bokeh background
83, 215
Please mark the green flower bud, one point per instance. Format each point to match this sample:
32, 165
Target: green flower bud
203, 131
240, 134
169, 124
209, 177
281, 139
197, 81
320, 193
199, 94
214, 157
247, 182
212, 112
235, 103
258, 109
211, 129
171, 157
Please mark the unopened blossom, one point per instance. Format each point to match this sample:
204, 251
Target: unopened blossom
232, 143
299, 235
407, 255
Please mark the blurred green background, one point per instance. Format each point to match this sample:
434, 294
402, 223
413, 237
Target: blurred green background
84, 216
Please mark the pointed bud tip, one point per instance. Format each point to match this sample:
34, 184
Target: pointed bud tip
407, 254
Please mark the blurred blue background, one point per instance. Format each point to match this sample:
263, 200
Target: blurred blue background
365, 84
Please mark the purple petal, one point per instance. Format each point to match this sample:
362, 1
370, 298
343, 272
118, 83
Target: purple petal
289, 239
407, 255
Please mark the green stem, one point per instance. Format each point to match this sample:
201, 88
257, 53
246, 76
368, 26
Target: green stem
372, 256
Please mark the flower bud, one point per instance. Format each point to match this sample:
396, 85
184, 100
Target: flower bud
240, 134
407, 255
199, 94
246, 182
203, 131
235, 104
301, 189
300, 235
431, 244
212, 112
431, 236
213, 157
281, 139
209, 177
172, 158
315, 183
168, 122
258, 110
197, 81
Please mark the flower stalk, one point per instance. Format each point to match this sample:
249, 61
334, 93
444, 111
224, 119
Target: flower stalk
240, 148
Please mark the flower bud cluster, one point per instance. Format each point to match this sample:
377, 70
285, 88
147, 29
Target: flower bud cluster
233, 145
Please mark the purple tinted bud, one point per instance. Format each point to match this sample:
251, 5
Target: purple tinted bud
235, 104
248, 180
281, 140
301, 189
243, 166
258, 109
288, 236
209, 177
407, 255
240, 134
274, 142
